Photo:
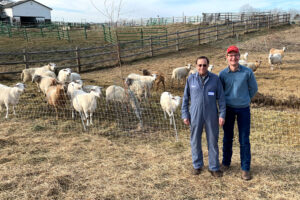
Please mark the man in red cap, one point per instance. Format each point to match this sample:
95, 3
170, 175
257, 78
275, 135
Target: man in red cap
239, 86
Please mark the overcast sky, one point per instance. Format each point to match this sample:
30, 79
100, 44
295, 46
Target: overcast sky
83, 10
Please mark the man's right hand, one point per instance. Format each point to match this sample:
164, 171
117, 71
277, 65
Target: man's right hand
186, 121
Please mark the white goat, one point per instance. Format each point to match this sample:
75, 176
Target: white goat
10, 96
180, 73
278, 51
169, 104
72, 87
66, 75
119, 94
141, 84
275, 59
86, 104
254, 65
43, 70
44, 82
245, 56
27, 74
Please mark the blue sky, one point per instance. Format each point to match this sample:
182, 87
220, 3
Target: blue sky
84, 11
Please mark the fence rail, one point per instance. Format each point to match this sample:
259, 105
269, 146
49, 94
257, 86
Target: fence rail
86, 58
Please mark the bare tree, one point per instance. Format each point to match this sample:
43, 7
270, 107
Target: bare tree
111, 10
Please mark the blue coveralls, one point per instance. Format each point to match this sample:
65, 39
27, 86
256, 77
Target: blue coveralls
203, 111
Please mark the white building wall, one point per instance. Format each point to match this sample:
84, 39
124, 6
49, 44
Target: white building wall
8, 12
31, 9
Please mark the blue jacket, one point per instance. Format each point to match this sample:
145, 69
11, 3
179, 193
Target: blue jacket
204, 98
239, 86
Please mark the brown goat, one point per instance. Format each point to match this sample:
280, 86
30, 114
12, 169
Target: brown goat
159, 79
56, 97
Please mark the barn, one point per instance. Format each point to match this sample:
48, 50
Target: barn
25, 12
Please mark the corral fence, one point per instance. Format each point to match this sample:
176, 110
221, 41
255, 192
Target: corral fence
116, 118
85, 59
58, 31
210, 18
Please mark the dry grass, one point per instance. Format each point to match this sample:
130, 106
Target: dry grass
41, 162
46, 159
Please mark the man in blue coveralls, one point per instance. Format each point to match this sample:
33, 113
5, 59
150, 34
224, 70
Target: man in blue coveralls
204, 91
239, 86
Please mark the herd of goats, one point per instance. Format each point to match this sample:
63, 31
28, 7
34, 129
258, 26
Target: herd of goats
67, 88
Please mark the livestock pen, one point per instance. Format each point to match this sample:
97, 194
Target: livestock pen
45, 158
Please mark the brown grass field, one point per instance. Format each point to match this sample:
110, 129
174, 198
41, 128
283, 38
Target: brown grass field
44, 159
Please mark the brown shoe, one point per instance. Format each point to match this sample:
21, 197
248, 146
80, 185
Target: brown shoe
196, 171
224, 167
246, 175
217, 173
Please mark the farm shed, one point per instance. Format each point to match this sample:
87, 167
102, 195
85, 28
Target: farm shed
25, 12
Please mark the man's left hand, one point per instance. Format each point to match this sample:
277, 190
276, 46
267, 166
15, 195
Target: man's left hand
221, 121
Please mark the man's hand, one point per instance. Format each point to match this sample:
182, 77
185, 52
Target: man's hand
221, 121
186, 121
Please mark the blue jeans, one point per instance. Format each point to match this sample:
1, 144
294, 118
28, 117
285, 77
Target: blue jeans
243, 120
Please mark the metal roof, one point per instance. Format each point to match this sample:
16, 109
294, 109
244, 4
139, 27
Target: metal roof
13, 4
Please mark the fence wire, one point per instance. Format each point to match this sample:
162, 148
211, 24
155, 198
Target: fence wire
267, 126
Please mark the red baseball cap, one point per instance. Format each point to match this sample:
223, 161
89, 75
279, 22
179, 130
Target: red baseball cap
233, 48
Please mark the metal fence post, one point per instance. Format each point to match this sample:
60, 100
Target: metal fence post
58, 35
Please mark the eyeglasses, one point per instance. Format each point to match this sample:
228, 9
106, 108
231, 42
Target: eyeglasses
202, 65
233, 55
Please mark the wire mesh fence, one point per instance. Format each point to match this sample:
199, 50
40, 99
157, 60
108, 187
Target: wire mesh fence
268, 126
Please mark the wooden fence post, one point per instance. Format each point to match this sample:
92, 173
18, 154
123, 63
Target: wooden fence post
119, 53
232, 29
268, 21
217, 36
177, 41
199, 36
246, 26
151, 47
25, 58
78, 59
142, 37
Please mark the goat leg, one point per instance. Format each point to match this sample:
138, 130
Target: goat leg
175, 127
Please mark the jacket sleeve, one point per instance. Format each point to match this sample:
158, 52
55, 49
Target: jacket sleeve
252, 84
221, 100
185, 114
